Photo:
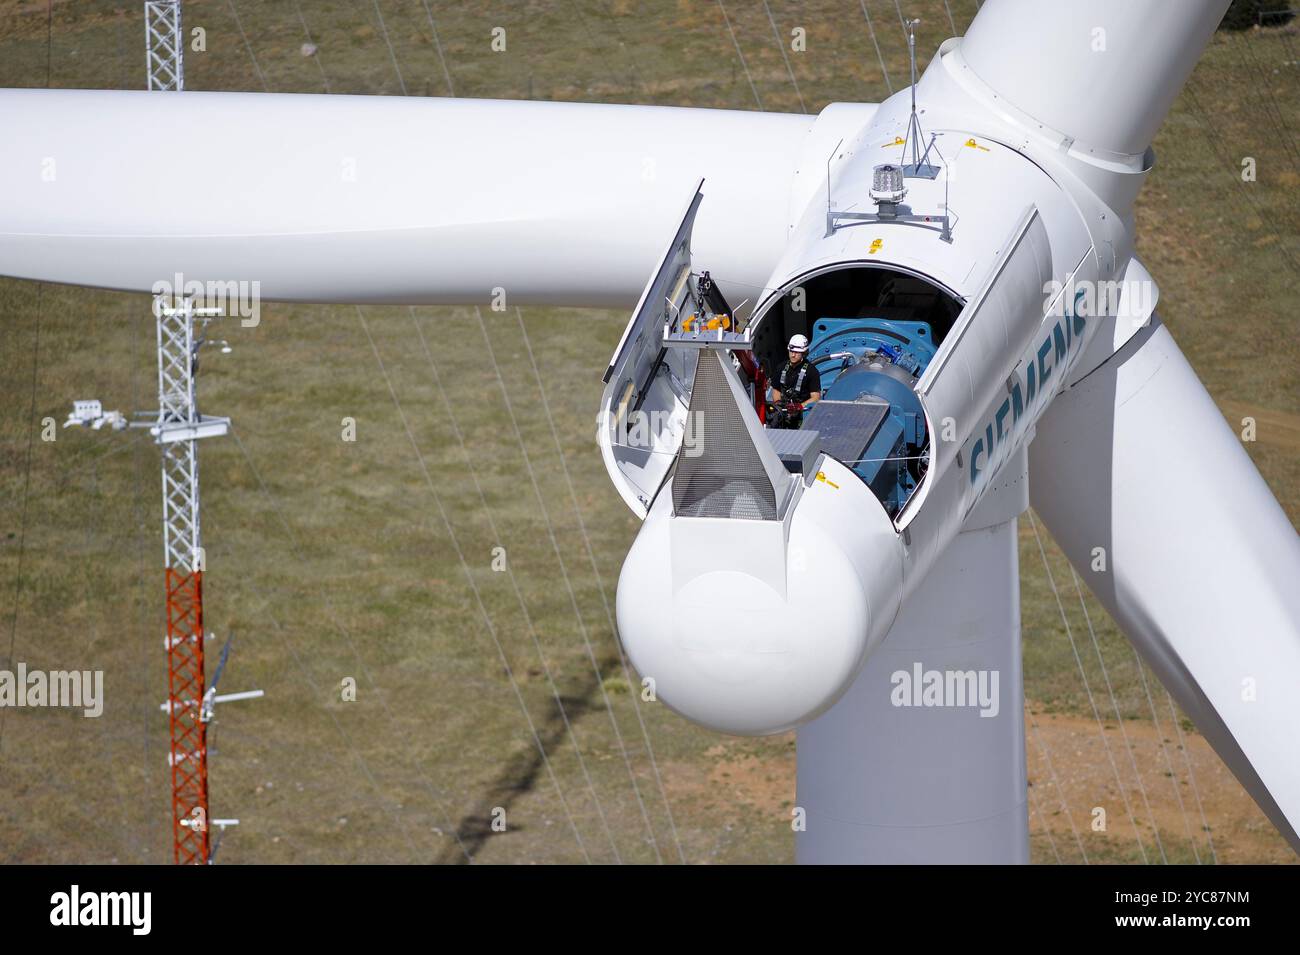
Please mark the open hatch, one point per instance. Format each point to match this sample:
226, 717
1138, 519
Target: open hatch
643, 412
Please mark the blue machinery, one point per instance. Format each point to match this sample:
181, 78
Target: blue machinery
870, 418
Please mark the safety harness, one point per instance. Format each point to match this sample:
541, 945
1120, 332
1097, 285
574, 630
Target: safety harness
798, 383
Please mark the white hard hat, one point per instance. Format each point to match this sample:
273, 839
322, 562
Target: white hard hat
799, 343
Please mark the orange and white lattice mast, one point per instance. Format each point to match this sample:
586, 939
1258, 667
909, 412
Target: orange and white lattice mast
182, 551
178, 429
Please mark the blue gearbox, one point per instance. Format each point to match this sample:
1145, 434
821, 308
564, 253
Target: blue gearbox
870, 418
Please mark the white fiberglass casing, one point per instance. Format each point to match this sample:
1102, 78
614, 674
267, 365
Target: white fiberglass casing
1024, 231
681, 628
716, 611
1034, 230
1002, 260
1102, 74
389, 199
1162, 513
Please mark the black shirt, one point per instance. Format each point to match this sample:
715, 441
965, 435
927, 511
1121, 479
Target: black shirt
797, 382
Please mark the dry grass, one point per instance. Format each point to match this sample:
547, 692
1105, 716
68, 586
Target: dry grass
329, 560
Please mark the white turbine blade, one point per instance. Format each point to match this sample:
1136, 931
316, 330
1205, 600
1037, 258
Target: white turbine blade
1105, 72
384, 199
1202, 567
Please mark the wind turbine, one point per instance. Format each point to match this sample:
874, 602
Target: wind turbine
951, 252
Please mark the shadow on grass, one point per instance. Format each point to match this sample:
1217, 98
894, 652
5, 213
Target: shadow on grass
519, 775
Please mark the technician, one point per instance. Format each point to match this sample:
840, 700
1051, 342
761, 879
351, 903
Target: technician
796, 386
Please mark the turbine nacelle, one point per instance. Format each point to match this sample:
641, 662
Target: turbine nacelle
939, 338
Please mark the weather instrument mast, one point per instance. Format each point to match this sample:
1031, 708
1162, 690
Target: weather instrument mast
178, 429
162, 42
177, 426
177, 433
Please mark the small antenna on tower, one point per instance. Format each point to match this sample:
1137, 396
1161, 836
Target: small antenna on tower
918, 168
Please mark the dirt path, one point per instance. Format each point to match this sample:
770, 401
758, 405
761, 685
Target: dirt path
1071, 775
1183, 791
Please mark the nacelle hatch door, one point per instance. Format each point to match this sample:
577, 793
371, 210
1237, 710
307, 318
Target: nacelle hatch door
643, 410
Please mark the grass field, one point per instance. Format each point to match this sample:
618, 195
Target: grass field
330, 560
